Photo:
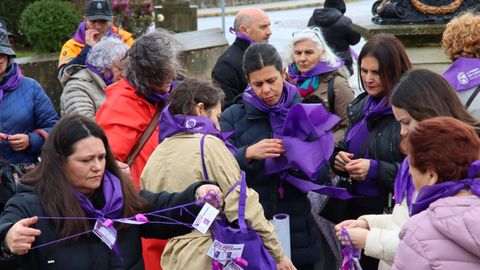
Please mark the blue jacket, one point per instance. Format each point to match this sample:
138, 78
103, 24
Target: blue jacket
24, 110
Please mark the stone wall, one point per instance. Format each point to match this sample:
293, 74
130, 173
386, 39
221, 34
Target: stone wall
200, 52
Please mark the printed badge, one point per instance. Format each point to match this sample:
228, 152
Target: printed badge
106, 232
205, 218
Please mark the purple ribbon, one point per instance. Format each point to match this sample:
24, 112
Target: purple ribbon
464, 73
11, 80
157, 97
79, 36
404, 187
374, 107
241, 36
112, 192
351, 255
308, 141
108, 80
172, 124
308, 81
430, 194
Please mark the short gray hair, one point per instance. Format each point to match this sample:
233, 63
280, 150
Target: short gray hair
105, 52
153, 61
314, 34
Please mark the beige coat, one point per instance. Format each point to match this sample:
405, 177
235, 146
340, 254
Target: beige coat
343, 96
174, 165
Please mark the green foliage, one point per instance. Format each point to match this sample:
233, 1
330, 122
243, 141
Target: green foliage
135, 16
48, 24
10, 11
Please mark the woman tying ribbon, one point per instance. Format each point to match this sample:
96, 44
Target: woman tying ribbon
319, 75
280, 141
180, 160
77, 186
443, 231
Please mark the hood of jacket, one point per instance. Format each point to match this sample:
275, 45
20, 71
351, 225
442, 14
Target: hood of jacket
80, 72
324, 17
457, 219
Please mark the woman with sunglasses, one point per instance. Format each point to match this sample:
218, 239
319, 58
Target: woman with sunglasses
258, 121
370, 153
319, 75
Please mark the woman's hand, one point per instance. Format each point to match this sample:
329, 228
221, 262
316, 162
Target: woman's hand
351, 223
210, 194
124, 169
19, 142
357, 235
286, 264
20, 237
341, 159
266, 148
358, 168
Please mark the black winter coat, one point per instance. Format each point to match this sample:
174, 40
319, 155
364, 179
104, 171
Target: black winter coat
251, 126
385, 148
89, 252
228, 71
337, 30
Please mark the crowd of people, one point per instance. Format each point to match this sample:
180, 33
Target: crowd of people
117, 181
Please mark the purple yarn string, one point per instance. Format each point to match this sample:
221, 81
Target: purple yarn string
61, 239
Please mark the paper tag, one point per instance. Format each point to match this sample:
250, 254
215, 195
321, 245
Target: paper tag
233, 251
205, 218
108, 235
217, 253
232, 266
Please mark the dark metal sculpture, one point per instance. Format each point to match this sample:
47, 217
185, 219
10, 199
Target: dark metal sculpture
420, 11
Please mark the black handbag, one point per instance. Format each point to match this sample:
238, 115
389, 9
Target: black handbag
10, 176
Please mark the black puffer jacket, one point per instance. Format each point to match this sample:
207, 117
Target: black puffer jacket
337, 30
228, 71
251, 126
385, 148
89, 252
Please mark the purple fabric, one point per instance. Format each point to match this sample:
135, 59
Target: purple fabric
11, 80
158, 98
79, 36
351, 255
241, 36
108, 80
464, 73
404, 187
112, 192
308, 82
359, 132
172, 124
430, 194
373, 169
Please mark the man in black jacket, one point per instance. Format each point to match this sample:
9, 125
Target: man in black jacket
250, 25
337, 29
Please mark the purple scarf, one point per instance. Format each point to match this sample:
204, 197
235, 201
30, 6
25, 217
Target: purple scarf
11, 80
112, 192
308, 141
404, 187
464, 73
79, 36
430, 194
359, 132
172, 124
308, 82
108, 80
241, 36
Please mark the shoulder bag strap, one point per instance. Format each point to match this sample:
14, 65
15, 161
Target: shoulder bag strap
378, 127
204, 166
144, 138
472, 97
331, 94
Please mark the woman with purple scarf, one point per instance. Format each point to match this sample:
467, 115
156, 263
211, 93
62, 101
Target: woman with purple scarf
190, 134
319, 75
265, 123
77, 210
369, 155
421, 94
84, 86
461, 43
443, 231
26, 112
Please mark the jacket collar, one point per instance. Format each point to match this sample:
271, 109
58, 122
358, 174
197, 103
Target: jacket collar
242, 44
